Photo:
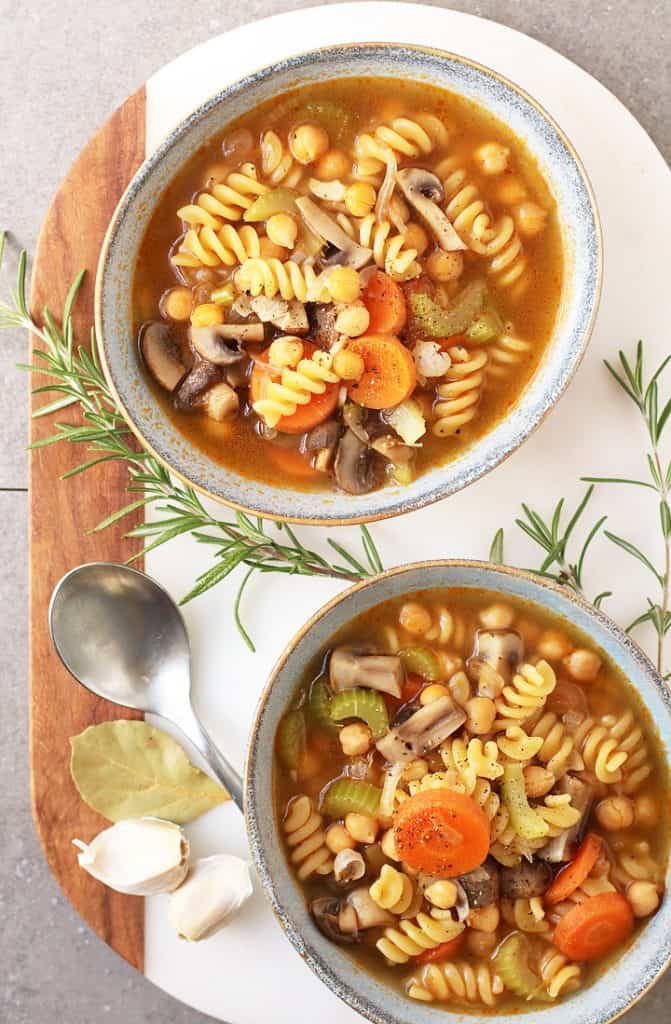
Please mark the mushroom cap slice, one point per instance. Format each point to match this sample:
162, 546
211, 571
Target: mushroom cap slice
162, 355
422, 731
382, 672
290, 317
327, 913
350, 252
424, 191
221, 344
525, 880
355, 469
368, 913
202, 376
482, 884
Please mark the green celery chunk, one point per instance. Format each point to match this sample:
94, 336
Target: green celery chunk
335, 118
511, 961
364, 704
279, 200
420, 661
346, 795
523, 818
292, 738
487, 326
436, 322
319, 705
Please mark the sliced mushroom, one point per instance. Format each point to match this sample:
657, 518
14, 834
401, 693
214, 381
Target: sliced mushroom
326, 912
424, 191
482, 884
348, 866
354, 417
500, 650
349, 253
525, 880
162, 355
393, 450
383, 672
563, 846
203, 376
422, 731
323, 329
323, 441
289, 317
355, 468
368, 913
221, 344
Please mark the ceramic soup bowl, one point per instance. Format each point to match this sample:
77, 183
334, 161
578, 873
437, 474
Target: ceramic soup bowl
622, 983
582, 277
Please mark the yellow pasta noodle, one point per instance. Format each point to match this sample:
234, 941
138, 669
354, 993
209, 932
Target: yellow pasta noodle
557, 744
213, 247
600, 751
467, 761
392, 890
507, 352
277, 164
458, 397
295, 387
530, 687
403, 137
286, 278
454, 980
631, 741
558, 974
412, 937
515, 744
226, 200
305, 837
528, 915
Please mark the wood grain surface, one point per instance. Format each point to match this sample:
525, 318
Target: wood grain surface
61, 513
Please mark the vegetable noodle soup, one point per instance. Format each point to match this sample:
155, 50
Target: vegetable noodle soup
473, 801
352, 284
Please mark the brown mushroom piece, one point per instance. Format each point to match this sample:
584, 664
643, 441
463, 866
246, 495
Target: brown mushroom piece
162, 355
323, 441
355, 468
349, 253
563, 846
221, 344
382, 672
424, 191
323, 329
482, 884
500, 649
290, 317
525, 880
422, 731
326, 912
368, 913
203, 376
392, 449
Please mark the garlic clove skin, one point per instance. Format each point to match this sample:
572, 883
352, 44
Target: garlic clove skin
215, 888
137, 856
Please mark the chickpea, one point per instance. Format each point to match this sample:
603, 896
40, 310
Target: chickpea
615, 812
531, 219
554, 645
511, 190
417, 769
333, 164
643, 897
481, 712
416, 238
433, 692
481, 944
338, 839
583, 665
269, 250
537, 781
353, 320
460, 687
177, 304
497, 616
484, 919
355, 739
388, 845
344, 284
414, 618
646, 810
363, 828
282, 229
492, 158
287, 351
444, 266
308, 142
206, 314
360, 199
442, 894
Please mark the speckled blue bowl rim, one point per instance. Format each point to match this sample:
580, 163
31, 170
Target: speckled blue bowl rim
622, 984
581, 236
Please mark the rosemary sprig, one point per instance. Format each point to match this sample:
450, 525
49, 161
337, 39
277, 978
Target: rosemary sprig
76, 378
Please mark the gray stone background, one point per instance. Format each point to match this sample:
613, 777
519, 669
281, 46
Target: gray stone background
65, 66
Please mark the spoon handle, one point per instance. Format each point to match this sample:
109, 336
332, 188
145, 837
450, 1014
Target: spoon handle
220, 767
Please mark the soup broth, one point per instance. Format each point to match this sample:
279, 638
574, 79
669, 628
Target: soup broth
390, 323
473, 800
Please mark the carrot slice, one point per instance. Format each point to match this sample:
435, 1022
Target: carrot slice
389, 376
576, 871
593, 928
290, 460
385, 303
444, 951
442, 832
318, 409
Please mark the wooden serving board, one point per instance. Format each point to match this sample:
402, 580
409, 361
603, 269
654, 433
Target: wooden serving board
61, 513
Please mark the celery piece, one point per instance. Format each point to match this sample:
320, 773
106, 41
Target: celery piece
319, 705
407, 419
291, 738
487, 326
420, 661
523, 818
436, 322
345, 795
364, 704
511, 962
335, 118
279, 200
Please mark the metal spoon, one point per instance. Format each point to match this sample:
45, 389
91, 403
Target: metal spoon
123, 637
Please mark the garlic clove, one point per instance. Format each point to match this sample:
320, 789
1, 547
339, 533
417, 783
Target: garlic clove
215, 888
137, 856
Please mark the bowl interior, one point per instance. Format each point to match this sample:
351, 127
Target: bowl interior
581, 241
620, 985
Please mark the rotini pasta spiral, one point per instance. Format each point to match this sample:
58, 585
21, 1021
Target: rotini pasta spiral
211, 247
306, 839
556, 743
469, 761
528, 915
455, 980
389, 249
636, 864
558, 813
600, 751
531, 686
226, 200
404, 137
412, 937
516, 745
506, 352
277, 164
458, 397
295, 387
558, 974
631, 740
270, 277
392, 890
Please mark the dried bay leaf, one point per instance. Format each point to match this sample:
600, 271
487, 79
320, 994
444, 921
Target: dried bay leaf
128, 769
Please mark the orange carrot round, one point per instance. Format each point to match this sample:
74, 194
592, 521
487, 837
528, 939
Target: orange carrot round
593, 928
318, 409
442, 832
389, 376
576, 871
442, 952
385, 303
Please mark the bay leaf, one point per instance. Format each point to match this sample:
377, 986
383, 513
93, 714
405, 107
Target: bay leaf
128, 769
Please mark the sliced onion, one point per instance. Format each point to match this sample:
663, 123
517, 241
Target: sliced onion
387, 186
391, 780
